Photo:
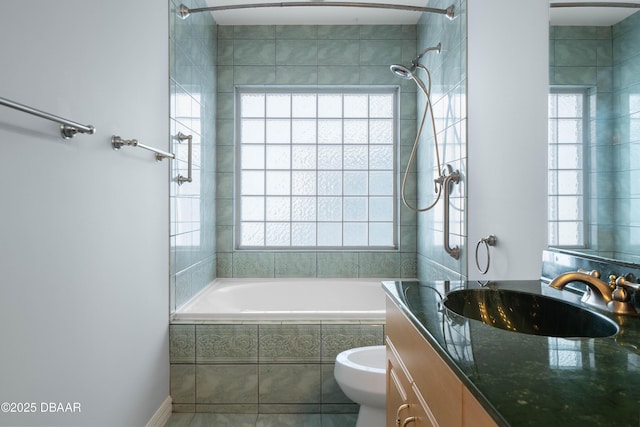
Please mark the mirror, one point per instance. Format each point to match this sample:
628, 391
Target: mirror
594, 204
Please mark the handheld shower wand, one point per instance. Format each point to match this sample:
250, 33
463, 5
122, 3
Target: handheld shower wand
410, 74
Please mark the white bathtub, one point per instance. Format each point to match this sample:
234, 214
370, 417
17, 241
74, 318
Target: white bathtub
286, 299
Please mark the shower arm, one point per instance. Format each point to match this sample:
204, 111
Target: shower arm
416, 61
184, 11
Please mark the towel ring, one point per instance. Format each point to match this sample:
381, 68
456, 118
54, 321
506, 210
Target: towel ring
490, 240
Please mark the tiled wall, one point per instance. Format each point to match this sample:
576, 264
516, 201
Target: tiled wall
192, 205
311, 55
266, 368
583, 56
626, 83
607, 58
448, 74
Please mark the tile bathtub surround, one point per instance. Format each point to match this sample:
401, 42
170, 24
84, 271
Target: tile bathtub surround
193, 58
311, 55
265, 368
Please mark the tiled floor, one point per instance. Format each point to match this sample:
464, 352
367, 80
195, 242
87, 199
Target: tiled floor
262, 420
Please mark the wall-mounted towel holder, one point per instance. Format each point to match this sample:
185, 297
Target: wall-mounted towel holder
490, 240
117, 143
68, 128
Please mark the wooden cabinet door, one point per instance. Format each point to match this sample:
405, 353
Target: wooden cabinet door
418, 377
405, 405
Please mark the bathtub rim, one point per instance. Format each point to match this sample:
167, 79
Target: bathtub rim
367, 317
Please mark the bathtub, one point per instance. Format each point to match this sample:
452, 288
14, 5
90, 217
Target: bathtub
286, 299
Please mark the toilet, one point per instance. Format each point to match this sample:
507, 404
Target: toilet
360, 373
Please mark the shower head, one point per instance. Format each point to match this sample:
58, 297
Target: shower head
409, 74
401, 71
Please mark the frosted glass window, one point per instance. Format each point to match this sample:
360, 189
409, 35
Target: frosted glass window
303, 208
330, 234
279, 157
304, 105
303, 157
381, 107
253, 208
278, 234
316, 169
253, 105
303, 234
356, 131
252, 131
356, 105
329, 183
252, 183
304, 131
381, 157
380, 131
569, 134
329, 105
330, 209
330, 131
304, 183
278, 183
381, 209
278, 132
355, 234
356, 157
278, 209
356, 183
330, 157
253, 157
253, 233
355, 209
279, 105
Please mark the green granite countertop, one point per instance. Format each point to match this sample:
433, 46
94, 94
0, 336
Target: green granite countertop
529, 380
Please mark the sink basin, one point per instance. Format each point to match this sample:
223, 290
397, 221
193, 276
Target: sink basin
529, 313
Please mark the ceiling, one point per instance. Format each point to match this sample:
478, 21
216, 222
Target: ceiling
362, 16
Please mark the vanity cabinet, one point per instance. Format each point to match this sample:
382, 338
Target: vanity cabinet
421, 388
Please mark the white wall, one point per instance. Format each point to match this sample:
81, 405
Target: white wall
84, 229
507, 140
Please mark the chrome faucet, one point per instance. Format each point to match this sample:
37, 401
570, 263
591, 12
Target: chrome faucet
612, 296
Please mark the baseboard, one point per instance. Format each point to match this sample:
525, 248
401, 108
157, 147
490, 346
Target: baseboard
160, 418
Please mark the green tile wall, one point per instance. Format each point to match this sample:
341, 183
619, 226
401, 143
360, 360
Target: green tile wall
270, 367
448, 74
608, 59
310, 55
193, 55
626, 78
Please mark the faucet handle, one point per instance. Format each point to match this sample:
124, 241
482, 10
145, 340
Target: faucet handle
592, 273
624, 283
621, 296
620, 293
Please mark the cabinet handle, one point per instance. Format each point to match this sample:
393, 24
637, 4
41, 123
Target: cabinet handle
400, 409
409, 420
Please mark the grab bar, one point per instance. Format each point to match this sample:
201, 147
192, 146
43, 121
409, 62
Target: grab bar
455, 178
68, 128
118, 143
181, 137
